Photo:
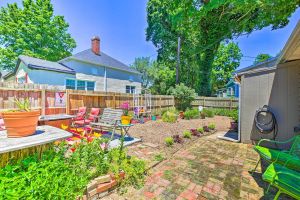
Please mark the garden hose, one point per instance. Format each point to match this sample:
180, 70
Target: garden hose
265, 121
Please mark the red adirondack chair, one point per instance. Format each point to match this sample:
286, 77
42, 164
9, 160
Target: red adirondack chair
80, 115
91, 118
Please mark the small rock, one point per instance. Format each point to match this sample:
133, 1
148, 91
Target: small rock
103, 179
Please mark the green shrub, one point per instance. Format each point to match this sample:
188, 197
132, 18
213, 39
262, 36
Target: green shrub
235, 115
169, 141
212, 126
187, 134
183, 96
158, 157
191, 114
224, 112
208, 112
170, 117
200, 129
55, 176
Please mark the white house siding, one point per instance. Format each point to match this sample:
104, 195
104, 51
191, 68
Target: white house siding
99, 81
42, 76
116, 85
105, 78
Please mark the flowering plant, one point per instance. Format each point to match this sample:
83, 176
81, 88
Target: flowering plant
125, 108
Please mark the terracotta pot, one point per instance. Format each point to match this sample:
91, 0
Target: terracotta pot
20, 124
125, 120
181, 114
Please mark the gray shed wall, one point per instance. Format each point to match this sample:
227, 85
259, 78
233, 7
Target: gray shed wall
278, 88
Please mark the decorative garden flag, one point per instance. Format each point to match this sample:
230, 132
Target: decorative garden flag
60, 99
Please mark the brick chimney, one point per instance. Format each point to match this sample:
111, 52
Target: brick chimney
96, 45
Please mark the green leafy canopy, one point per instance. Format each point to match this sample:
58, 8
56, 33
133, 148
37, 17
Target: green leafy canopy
33, 30
261, 58
144, 65
203, 26
226, 60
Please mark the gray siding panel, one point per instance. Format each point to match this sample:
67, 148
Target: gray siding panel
280, 90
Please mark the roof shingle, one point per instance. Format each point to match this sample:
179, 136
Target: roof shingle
102, 60
37, 63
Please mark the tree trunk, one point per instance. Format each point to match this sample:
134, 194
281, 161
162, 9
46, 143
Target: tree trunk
204, 87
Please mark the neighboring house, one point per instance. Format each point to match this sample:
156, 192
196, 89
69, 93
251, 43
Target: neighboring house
275, 83
2, 74
231, 90
90, 69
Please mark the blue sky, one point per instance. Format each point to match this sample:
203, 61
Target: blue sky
121, 26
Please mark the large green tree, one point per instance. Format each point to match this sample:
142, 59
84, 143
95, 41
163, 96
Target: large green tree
163, 78
203, 25
33, 30
144, 65
227, 59
261, 58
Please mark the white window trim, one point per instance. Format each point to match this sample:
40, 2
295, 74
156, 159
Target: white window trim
85, 84
130, 89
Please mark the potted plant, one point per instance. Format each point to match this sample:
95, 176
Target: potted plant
21, 122
181, 115
125, 118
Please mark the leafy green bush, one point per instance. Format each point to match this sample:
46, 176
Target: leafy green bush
169, 141
224, 112
200, 129
187, 134
170, 117
183, 96
56, 176
235, 115
191, 114
208, 112
212, 126
158, 157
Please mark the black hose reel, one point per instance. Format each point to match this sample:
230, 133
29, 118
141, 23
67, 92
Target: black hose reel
265, 121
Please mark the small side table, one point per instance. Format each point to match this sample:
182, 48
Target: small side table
125, 128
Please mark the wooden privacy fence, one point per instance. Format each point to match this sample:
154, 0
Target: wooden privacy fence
216, 102
44, 98
90, 99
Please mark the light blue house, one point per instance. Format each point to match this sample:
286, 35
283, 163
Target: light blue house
90, 69
231, 90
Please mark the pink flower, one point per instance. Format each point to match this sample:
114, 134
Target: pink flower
125, 106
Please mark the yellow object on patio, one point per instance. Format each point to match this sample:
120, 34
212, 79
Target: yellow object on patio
64, 127
97, 135
125, 120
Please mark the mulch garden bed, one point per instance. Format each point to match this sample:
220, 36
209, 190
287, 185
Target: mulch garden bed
153, 133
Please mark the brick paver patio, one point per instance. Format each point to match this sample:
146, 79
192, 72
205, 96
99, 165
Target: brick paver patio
207, 169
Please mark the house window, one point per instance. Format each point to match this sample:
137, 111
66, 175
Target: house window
130, 89
90, 86
70, 84
74, 84
22, 79
230, 91
80, 85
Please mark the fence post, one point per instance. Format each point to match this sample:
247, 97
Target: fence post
173, 99
204, 102
67, 102
230, 108
114, 100
43, 101
160, 103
